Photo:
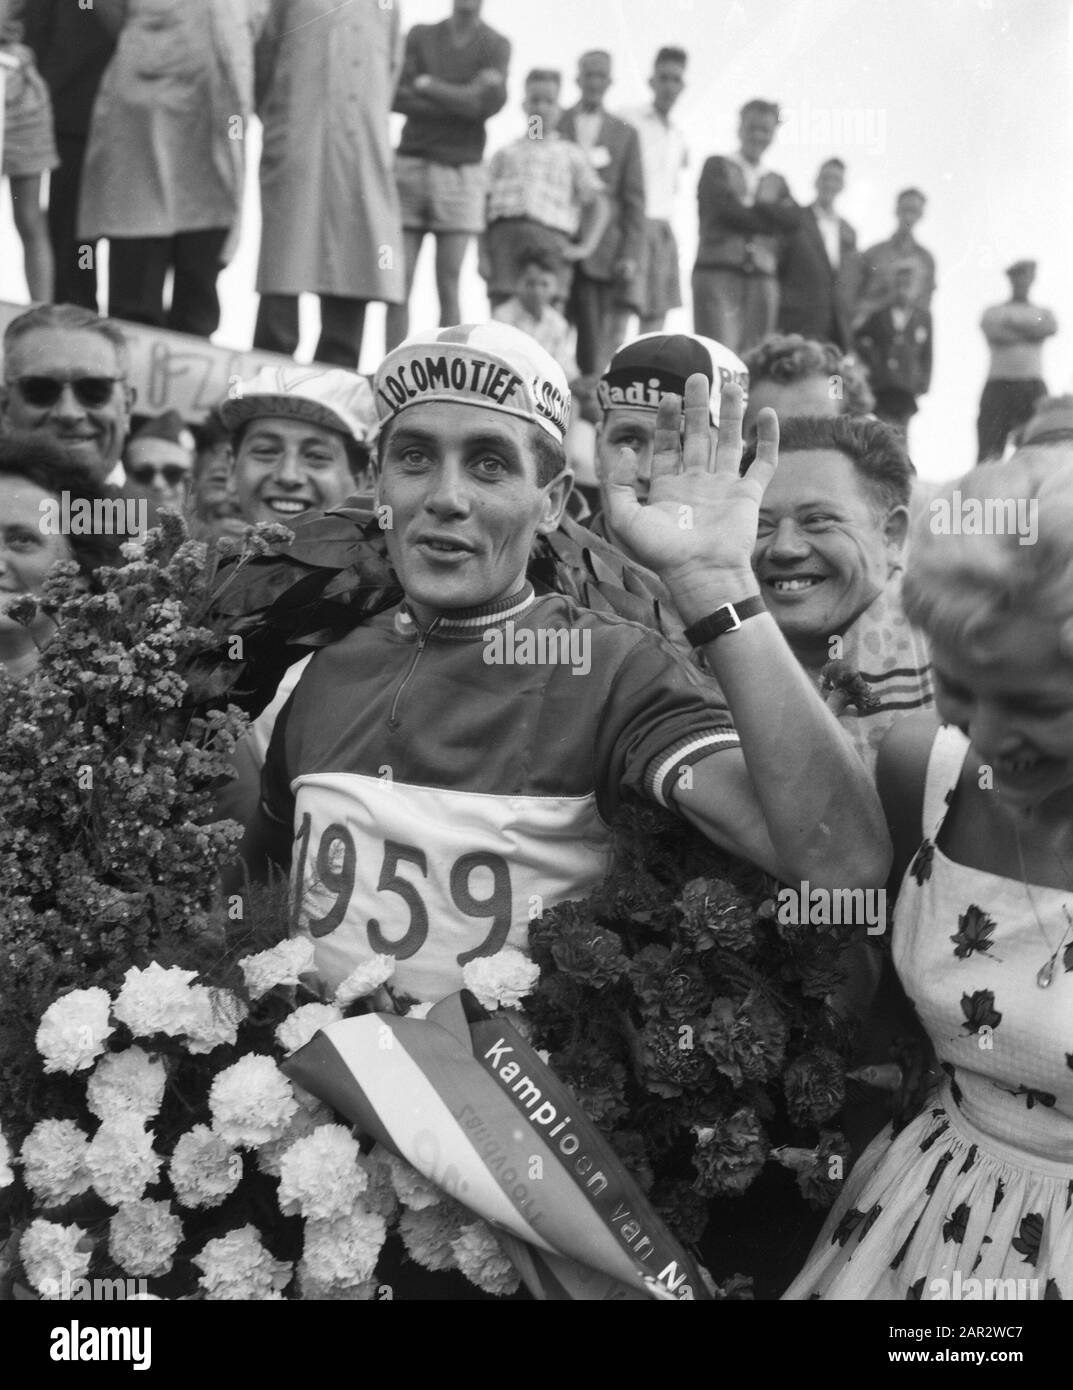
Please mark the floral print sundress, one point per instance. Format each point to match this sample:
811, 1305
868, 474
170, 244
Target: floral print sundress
974, 1198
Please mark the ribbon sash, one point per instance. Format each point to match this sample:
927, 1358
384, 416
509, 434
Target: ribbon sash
463, 1098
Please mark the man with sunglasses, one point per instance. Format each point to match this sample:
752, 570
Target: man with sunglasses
65, 374
159, 461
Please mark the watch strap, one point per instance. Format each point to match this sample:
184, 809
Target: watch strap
728, 617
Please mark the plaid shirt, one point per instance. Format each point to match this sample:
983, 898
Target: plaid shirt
548, 181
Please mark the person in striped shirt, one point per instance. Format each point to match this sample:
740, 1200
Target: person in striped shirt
829, 556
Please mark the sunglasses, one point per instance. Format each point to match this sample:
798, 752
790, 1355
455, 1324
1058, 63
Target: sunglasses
42, 392
145, 473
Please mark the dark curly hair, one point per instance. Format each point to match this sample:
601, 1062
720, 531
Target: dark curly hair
786, 358
41, 461
875, 450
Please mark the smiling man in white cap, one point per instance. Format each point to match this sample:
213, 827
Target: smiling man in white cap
451, 767
301, 440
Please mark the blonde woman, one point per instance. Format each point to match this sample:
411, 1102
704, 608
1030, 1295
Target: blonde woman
978, 1187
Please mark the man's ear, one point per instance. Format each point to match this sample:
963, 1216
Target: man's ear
555, 502
896, 532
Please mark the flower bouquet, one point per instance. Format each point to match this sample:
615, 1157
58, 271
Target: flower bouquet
693, 1025
149, 1130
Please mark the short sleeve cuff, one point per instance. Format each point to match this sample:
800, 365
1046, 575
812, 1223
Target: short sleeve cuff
664, 770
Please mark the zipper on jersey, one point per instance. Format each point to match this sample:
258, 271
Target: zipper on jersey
422, 641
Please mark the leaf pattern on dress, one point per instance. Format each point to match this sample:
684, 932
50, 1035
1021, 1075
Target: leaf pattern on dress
937, 1133
940, 1168
970, 1159
1067, 957
1051, 1292
900, 1256
1029, 1235
920, 867
980, 1254
869, 1221
955, 1089
847, 1226
979, 1010
1032, 1097
916, 1291
974, 933
956, 1223
1000, 1192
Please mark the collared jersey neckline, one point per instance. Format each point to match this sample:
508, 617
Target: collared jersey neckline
468, 623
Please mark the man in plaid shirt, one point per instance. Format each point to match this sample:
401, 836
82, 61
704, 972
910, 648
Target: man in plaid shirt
543, 195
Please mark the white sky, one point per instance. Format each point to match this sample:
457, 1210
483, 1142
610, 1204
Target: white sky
968, 99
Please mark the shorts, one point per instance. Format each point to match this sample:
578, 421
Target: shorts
506, 240
440, 197
29, 144
657, 288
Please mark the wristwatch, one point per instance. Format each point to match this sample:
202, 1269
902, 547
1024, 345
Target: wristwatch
728, 617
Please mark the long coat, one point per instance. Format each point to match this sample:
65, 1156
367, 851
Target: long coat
166, 140
326, 77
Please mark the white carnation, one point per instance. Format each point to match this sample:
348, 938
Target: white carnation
215, 1016
126, 1083
281, 965
412, 1188
419, 1010
427, 1235
311, 1290
366, 979
48, 1250
237, 1266
322, 1174
74, 1030
203, 1168
294, 1032
54, 1161
345, 1249
143, 1237
502, 980
155, 1000
304, 1121
251, 1102
479, 1256
121, 1160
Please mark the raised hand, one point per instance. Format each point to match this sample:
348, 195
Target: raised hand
701, 517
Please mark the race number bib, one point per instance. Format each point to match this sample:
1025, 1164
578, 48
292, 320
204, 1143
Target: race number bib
434, 878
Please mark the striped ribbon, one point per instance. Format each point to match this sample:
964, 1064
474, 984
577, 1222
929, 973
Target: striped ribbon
462, 1097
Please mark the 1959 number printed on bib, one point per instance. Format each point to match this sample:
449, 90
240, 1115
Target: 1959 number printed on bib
334, 870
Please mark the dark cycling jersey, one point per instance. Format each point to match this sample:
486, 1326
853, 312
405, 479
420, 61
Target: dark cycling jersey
447, 785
